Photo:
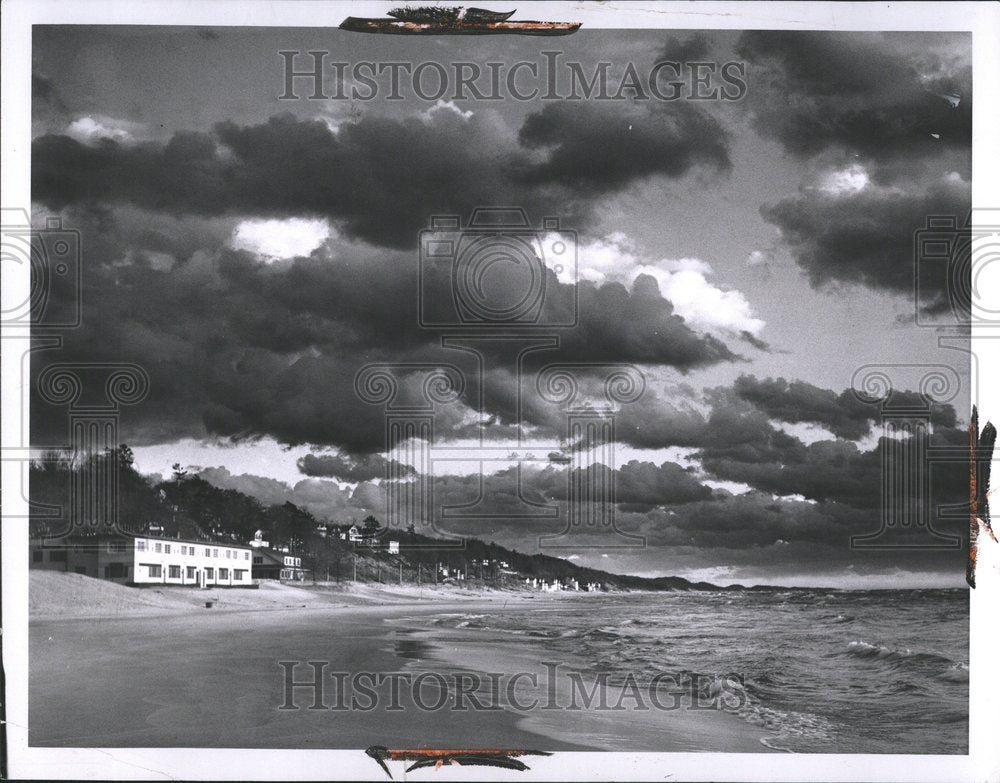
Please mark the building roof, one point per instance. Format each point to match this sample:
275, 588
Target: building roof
97, 537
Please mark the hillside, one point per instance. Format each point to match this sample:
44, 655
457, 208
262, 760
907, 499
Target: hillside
189, 507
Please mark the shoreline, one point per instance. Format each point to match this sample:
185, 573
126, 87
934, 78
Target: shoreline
649, 728
211, 677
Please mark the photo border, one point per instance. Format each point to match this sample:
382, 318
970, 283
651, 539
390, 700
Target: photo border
983, 761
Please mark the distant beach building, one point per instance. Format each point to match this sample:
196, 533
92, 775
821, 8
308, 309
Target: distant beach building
146, 560
283, 566
258, 540
393, 547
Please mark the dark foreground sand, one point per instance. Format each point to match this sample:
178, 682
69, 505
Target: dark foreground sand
170, 673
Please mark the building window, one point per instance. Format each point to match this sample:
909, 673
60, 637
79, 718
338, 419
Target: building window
57, 556
117, 570
246, 555
258, 560
36, 556
239, 574
223, 573
229, 554
116, 546
155, 571
174, 572
215, 553
210, 573
157, 547
208, 552
190, 572
166, 549
140, 545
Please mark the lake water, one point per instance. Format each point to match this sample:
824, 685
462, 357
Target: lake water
823, 671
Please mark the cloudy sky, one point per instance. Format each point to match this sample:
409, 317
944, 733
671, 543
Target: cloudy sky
253, 254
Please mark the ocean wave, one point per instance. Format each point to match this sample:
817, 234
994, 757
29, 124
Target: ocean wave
958, 672
791, 731
900, 657
602, 634
862, 649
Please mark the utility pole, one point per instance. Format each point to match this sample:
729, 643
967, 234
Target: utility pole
401, 572
354, 559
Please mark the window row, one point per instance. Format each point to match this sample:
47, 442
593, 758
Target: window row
155, 571
184, 549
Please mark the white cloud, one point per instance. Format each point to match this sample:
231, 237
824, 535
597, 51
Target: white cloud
90, 129
443, 105
850, 180
274, 239
684, 281
702, 304
760, 258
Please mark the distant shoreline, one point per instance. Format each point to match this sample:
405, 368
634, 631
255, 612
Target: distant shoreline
57, 595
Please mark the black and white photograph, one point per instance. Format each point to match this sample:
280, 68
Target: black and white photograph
465, 389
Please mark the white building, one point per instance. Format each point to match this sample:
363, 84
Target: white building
147, 560
189, 562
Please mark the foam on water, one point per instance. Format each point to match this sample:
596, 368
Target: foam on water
884, 672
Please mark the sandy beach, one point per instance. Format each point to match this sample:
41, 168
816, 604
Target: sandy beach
119, 667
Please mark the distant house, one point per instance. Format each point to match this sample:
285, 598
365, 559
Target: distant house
393, 547
283, 566
258, 540
146, 560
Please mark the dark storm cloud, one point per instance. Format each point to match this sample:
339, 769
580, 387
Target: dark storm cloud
352, 469
832, 471
692, 49
775, 536
698, 527
243, 349
638, 325
845, 414
644, 485
602, 147
855, 92
41, 88
661, 420
902, 115
382, 179
323, 498
868, 238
